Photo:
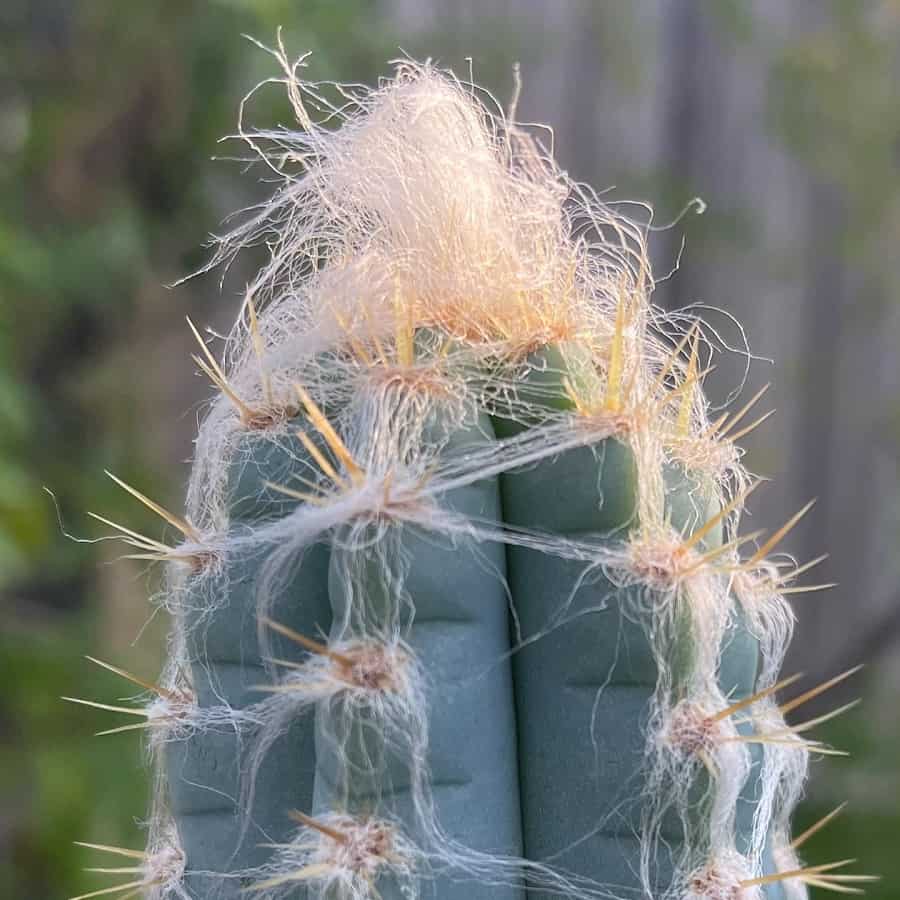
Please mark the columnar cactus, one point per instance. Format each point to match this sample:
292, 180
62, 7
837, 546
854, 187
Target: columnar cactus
462, 608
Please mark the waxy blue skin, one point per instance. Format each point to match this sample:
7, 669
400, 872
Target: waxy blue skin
583, 687
203, 770
517, 768
460, 637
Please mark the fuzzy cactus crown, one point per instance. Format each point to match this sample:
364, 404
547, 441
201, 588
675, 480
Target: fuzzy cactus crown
461, 603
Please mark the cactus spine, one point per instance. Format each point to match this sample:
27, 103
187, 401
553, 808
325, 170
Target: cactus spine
462, 607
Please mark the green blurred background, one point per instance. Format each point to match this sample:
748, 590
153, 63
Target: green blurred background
783, 116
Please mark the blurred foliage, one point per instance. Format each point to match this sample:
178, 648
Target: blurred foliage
833, 105
868, 826
107, 119
109, 113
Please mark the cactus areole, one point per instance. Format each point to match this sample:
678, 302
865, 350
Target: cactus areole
461, 604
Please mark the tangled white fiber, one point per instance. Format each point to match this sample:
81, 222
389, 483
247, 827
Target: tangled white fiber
444, 317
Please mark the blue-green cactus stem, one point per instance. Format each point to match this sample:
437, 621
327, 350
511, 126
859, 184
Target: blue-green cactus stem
460, 638
206, 768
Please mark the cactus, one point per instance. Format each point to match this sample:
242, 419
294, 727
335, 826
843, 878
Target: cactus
460, 606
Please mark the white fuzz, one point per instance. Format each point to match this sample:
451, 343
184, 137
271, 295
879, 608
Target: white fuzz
722, 879
156, 873
164, 868
339, 856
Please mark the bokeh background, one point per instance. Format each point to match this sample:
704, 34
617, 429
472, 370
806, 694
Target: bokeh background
783, 115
